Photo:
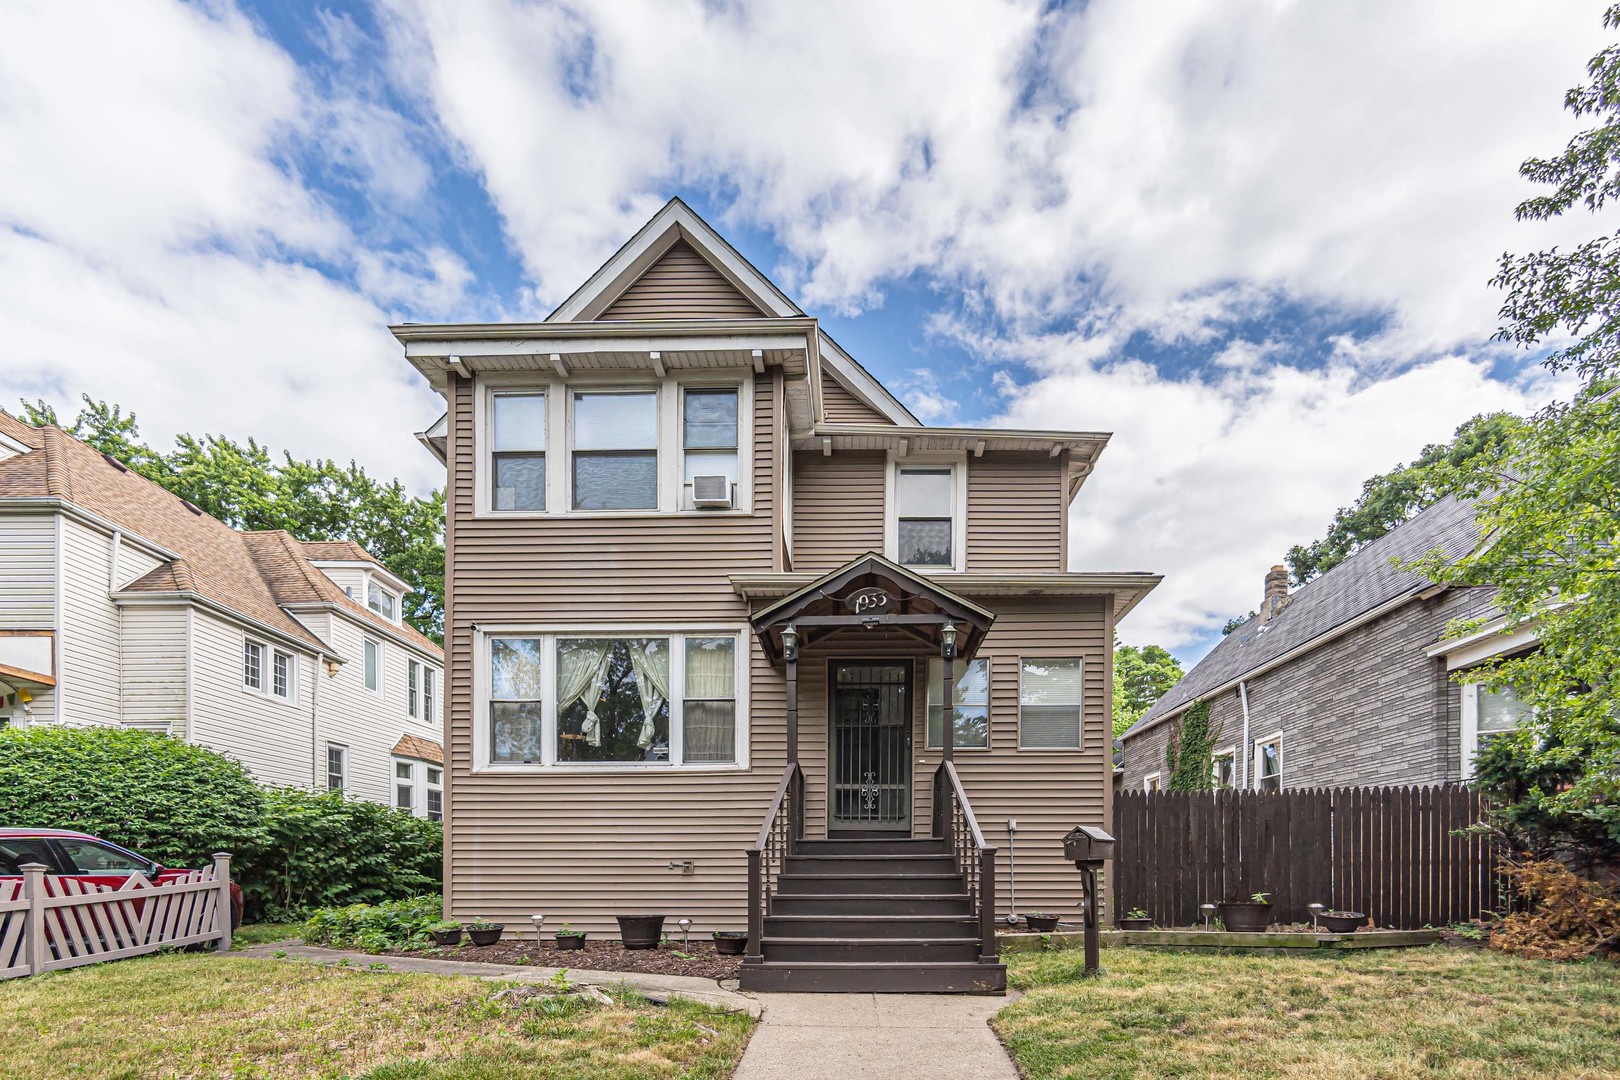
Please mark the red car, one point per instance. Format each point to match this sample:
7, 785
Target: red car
86, 858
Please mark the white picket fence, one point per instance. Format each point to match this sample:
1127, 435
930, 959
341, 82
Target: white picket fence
48, 923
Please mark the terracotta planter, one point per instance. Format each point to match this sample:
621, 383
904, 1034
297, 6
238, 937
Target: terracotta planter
570, 941
1136, 924
641, 931
447, 937
1244, 916
730, 943
486, 936
1341, 922
1041, 924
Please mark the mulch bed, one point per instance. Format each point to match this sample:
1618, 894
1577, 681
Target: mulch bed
609, 955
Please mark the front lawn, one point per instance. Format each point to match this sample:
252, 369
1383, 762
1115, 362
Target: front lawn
1397, 1013
209, 1015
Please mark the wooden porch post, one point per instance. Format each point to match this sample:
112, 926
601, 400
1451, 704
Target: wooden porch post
793, 708
947, 710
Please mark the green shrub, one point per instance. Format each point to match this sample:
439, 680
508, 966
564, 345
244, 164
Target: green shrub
324, 850
164, 798
395, 924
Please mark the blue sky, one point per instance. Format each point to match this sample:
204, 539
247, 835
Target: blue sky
1252, 239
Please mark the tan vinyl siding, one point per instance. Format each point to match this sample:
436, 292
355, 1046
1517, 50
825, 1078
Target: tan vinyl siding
27, 572
837, 507
88, 660
154, 683
582, 848
1016, 504
843, 407
681, 285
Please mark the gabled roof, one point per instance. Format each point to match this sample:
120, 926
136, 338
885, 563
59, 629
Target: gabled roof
1365, 582
255, 576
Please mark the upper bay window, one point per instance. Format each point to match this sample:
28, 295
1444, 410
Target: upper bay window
708, 446
644, 699
518, 451
616, 450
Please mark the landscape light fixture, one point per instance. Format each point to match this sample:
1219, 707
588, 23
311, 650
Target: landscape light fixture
1208, 912
539, 921
1315, 910
686, 930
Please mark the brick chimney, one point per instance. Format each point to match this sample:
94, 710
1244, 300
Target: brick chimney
1276, 593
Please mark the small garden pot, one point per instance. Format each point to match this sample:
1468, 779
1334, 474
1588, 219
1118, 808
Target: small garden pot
488, 935
1244, 916
1341, 922
1136, 924
730, 943
1041, 924
570, 941
447, 937
641, 931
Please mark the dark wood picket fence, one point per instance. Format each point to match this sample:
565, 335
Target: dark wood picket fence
1391, 852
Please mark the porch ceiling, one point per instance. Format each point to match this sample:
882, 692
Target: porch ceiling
1128, 588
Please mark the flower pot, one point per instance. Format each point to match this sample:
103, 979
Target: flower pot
1244, 916
1341, 922
1041, 924
447, 937
1136, 924
641, 931
488, 935
730, 943
570, 941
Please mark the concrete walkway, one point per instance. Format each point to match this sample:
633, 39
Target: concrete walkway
707, 991
877, 1037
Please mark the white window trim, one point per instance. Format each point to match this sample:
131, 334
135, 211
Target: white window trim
428, 786
418, 807
326, 767
680, 437
958, 464
382, 664
1080, 743
267, 671
560, 439
928, 701
1254, 759
1469, 740
386, 591
264, 652
548, 682
1225, 751
1150, 780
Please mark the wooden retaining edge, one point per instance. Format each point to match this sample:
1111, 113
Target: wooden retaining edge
1220, 939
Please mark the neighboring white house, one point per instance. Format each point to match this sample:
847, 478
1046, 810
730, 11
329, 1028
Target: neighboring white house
121, 604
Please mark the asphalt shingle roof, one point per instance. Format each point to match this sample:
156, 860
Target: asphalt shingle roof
1362, 582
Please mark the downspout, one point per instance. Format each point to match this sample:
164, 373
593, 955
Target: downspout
314, 734
1243, 696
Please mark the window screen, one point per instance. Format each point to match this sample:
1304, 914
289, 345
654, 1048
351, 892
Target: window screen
515, 702
1049, 703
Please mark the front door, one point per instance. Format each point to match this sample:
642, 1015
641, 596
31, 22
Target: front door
869, 725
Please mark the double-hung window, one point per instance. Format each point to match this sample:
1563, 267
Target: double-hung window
518, 452
708, 440
435, 793
337, 767
1268, 763
371, 666
1223, 768
925, 509
1487, 714
971, 709
615, 450
404, 786
253, 665
282, 674
428, 695
632, 699
419, 691
1049, 703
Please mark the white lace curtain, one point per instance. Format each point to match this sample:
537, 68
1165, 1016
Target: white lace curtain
649, 659
582, 668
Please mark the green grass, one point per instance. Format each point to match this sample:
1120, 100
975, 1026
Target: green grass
1397, 1013
209, 1015
263, 933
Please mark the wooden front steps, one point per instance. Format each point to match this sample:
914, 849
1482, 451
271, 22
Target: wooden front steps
872, 916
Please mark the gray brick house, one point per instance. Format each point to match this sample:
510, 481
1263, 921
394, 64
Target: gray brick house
1347, 680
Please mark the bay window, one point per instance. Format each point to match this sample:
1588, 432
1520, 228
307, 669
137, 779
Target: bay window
708, 439
518, 452
971, 709
435, 793
602, 699
615, 450
1049, 703
404, 786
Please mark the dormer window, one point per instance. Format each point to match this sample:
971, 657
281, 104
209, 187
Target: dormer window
381, 601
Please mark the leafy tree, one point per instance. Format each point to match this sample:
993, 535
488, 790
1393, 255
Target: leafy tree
246, 487
1390, 499
1141, 677
1236, 621
1189, 754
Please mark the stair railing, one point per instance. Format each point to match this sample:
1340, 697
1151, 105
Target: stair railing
975, 860
778, 838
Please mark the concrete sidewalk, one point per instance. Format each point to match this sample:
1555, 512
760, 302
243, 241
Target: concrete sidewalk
877, 1037
707, 991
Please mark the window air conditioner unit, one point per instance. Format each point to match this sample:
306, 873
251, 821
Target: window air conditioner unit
711, 492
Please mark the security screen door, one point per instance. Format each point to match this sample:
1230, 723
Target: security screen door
870, 730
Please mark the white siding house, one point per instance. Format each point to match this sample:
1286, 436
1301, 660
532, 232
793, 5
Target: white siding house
121, 604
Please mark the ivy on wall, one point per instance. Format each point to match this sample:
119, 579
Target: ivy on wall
1189, 754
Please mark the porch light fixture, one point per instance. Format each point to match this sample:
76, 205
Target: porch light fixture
790, 644
947, 640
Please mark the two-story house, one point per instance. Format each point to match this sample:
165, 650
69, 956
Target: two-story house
1350, 680
704, 575
121, 604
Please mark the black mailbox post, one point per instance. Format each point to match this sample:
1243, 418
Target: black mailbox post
1088, 847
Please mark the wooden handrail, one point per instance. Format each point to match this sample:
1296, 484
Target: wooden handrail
955, 822
775, 807
778, 837
949, 769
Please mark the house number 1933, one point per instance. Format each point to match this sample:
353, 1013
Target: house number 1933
868, 601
